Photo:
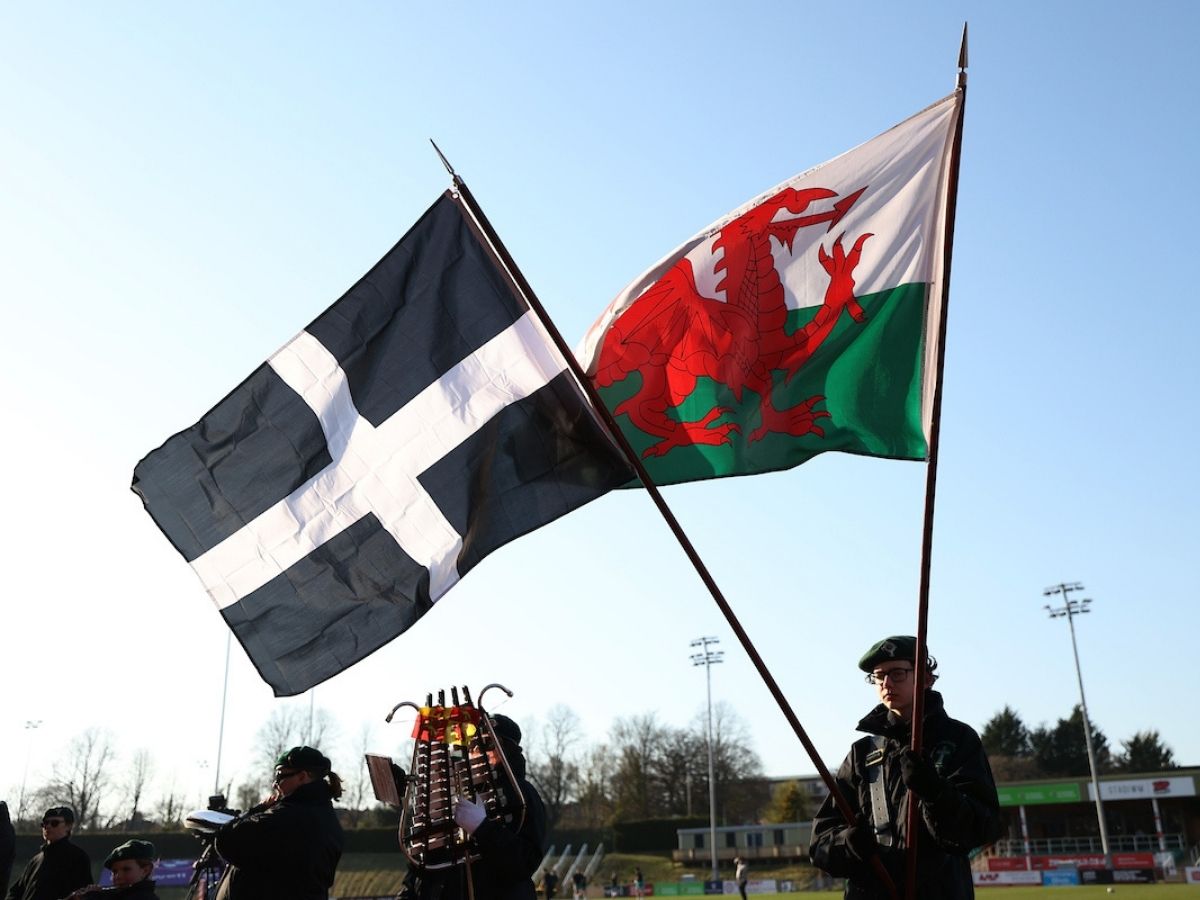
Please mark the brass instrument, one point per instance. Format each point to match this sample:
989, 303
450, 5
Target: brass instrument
456, 755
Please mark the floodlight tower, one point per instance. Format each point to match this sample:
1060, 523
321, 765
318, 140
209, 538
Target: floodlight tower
709, 658
1070, 609
31, 725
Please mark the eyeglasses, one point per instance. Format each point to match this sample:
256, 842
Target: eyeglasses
281, 777
52, 823
898, 675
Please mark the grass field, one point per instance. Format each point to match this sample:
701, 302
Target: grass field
380, 874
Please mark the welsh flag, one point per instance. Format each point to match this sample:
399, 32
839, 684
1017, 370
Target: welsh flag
803, 322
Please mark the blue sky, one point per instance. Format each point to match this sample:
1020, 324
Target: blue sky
185, 187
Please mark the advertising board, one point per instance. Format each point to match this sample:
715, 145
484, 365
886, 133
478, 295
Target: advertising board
1079, 860
1000, 879
1032, 795
1060, 876
167, 873
1144, 788
1192, 874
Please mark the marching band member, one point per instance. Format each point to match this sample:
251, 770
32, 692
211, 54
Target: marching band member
132, 865
509, 857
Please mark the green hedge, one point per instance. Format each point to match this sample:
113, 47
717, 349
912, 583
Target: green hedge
651, 834
182, 845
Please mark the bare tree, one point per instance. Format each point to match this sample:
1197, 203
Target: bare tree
595, 805
168, 809
637, 742
82, 779
283, 729
552, 765
740, 791
288, 726
137, 778
680, 755
358, 782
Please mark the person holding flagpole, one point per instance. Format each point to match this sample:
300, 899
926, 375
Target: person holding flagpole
950, 781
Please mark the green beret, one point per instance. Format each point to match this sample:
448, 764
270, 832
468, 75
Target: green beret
898, 646
307, 759
135, 849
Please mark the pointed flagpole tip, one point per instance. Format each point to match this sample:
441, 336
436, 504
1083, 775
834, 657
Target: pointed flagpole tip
962, 51
442, 157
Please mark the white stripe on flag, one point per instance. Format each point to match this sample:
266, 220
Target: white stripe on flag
375, 470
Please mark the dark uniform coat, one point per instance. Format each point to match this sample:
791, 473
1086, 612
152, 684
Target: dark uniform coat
143, 890
286, 851
8, 847
54, 871
509, 858
964, 815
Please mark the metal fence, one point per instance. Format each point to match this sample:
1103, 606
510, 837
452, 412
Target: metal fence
1118, 843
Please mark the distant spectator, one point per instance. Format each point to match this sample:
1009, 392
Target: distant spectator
579, 884
639, 882
8, 847
549, 884
59, 867
739, 875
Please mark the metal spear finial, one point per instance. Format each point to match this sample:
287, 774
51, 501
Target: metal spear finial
962, 58
446, 162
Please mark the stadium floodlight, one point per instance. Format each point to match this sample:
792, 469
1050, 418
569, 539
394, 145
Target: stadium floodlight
1071, 609
709, 658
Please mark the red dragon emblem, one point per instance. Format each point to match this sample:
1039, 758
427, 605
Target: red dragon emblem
674, 336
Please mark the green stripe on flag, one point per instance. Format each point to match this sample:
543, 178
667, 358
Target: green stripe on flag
868, 372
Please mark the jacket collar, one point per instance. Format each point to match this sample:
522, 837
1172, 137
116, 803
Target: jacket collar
881, 721
313, 792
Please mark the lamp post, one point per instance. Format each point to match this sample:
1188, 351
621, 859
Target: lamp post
1070, 609
221, 730
31, 725
708, 658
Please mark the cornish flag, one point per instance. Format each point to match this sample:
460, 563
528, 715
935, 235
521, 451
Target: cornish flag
421, 422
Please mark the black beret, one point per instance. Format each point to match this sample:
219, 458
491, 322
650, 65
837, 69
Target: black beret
506, 728
135, 849
898, 646
60, 812
307, 759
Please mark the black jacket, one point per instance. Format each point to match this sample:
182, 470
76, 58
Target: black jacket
509, 858
55, 870
143, 890
288, 850
8, 847
964, 815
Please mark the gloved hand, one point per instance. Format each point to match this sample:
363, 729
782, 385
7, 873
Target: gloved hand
469, 815
918, 775
860, 840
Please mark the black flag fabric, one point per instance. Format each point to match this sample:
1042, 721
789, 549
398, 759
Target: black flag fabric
421, 422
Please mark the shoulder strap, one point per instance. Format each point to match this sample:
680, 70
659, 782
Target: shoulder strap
881, 818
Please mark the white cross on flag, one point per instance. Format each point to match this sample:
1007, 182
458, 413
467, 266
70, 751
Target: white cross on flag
421, 422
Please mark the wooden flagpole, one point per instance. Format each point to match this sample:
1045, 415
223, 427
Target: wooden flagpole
920, 664
652, 489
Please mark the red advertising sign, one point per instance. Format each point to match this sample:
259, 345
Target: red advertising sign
1080, 860
1133, 860
1006, 864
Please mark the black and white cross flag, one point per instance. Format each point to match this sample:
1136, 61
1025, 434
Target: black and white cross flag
421, 422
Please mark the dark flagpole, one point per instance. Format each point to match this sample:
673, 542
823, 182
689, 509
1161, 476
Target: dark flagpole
652, 489
922, 654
